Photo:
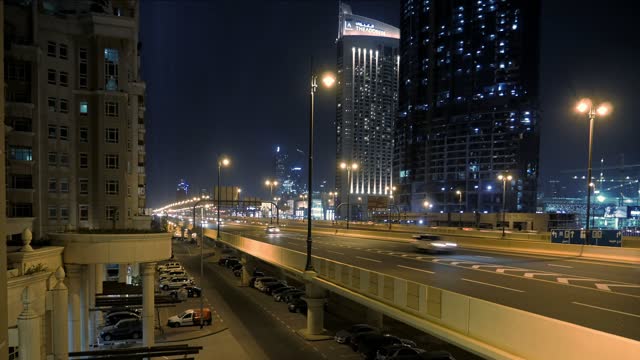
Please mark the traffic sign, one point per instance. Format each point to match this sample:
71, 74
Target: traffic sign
579, 237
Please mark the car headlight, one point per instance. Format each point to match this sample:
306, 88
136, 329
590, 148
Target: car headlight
277, 230
438, 244
451, 244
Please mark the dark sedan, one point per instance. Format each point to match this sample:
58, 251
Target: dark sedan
268, 289
124, 329
344, 336
298, 305
369, 343
223, 260
114, 317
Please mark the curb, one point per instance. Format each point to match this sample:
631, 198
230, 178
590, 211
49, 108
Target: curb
194, 337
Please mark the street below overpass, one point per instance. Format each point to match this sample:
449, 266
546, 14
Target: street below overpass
600, 295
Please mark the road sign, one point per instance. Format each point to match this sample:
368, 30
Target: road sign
579, 237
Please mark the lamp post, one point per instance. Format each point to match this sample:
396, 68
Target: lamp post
271, 184
202, 222
349, 168
504, 179
327, 80
333, 195
238, 208
459, 193
390, 190
223, 161
586, 106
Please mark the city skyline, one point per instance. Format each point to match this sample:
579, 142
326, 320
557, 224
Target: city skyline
566, 74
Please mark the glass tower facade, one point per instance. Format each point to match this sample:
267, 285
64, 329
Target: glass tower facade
468, 105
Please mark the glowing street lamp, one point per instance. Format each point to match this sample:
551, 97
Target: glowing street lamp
222, 161
459, 193
586, 106
271, 184
504, 179
349, 168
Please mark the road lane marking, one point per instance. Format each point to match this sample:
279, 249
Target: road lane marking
364, 258
605, 309
498, 286
335, 252
565, 280
606, 286
407, 267
562, 266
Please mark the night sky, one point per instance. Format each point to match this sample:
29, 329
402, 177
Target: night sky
232, 77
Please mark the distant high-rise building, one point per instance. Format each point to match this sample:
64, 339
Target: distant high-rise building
468, 104
182, 191
75, 103
367, 97
279, 168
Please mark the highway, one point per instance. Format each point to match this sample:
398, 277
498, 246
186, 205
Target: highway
600, 295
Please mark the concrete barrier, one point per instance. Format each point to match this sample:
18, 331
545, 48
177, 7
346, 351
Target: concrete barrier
487, 329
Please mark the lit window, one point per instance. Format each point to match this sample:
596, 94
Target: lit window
84, 107
111, 60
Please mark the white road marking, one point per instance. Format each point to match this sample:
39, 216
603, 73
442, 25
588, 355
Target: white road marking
605, 309
562, 266
335, 252
479, 266
364, 258
606, 286
498, 286
532, 274
407, 267
566, 280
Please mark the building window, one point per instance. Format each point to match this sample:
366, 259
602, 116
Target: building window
111, 212
51, 104
51, 48
64, 78
64, 106
53, 213
64, 159
64, 133
111, 60
84, 186
51, 76
111, 135
84, 135
52, 158
20, 182
83, 66
20, 123
111, 161
53, 185
84, 160
52, 131
111, 187
110, 108
18, 70
22, 153
63, 50
83, 212
129, 190
64, 185
84, 108
20, 210
64, 213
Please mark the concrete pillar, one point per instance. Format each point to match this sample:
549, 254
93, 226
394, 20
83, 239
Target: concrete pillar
29, 329
75, 274
315, 298
148, 305
123, 270
135, 271
59, 317
246, 275
86, 281
374, 318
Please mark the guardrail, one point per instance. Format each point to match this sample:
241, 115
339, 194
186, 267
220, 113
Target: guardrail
488, 329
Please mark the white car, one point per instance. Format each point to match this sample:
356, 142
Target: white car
433, 243
271, 229
175, 283
172, 274
169, 265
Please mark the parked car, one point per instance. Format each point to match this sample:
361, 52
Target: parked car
223, 260
189, 291
260, 279
272, 229
232, 262
175, 283
190, 317
369, 344
281, 290
113, 310
398, 352
344, 336
114, 317
287, 296
172, 264
268, 289
124, 329
261, 285
256, 276
172, 274
298, 305
433, 244
171, 269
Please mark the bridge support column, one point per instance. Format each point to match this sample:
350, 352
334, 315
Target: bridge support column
315, 298
123, 270
75, 274
148, 303
245, 276
374, 318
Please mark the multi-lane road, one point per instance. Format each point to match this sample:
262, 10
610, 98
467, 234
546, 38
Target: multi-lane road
601, 295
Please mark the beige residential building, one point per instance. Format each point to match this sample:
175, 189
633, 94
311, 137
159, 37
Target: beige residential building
75, 136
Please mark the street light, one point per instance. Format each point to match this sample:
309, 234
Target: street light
224, 161
328, 80
333, 195
238, 208
504, 179
349, 168
459, 193
271, 184
390, 190
586, 106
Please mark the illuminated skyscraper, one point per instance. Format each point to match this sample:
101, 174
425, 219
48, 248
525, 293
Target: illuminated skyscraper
468, 104
182, 191
367, 97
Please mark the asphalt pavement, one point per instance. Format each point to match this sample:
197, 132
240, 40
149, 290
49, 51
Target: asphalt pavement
600, 295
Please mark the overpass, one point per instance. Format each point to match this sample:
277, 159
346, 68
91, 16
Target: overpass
494, 325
